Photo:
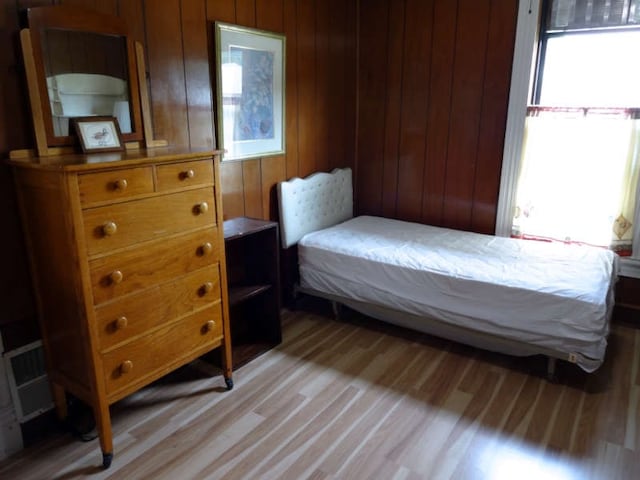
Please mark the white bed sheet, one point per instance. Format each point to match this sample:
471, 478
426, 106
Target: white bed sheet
555, 296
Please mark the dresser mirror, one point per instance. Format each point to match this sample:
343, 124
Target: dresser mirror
81, 63
81, 83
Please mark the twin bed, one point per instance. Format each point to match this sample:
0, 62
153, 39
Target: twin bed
506, 295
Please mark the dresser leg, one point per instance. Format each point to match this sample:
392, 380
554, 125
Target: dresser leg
60, 401
106, 460
229, 382
103, 424
227, 361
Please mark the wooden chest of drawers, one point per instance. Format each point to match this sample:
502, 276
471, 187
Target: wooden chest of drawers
129, 266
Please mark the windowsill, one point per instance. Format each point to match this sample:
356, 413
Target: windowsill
630, 267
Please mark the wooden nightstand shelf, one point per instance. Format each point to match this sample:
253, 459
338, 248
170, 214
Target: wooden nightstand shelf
253, 277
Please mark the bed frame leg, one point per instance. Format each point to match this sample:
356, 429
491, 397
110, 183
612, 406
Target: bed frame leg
337, 309
295, 298
551, 370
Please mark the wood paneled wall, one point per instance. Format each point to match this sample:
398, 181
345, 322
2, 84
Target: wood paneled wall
321, 72
433, 93
410, 93
178, 36
61, 58
320, 93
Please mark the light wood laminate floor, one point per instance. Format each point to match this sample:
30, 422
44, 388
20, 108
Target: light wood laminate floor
357, 399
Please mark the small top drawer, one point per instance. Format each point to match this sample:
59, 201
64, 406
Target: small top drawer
185, 174
115, 184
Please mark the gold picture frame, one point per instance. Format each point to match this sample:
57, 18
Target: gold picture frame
250, 79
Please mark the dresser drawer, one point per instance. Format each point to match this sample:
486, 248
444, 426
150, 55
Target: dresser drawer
186, 174
131, 270
115, 184
151, 356
134, 315
124, 224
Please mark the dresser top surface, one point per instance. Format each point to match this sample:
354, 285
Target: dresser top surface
109, 160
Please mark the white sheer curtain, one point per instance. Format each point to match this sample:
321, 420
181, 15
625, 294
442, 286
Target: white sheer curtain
579, 176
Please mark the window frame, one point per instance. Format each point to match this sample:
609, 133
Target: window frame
524, 67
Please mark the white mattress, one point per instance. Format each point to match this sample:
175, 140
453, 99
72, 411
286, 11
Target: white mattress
554, 296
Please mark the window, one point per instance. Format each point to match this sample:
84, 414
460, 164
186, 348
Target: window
577, 175
595, 69
588, 53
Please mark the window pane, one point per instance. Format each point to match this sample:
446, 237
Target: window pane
594, 69
578, 175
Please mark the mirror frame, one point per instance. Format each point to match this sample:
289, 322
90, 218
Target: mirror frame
71, 18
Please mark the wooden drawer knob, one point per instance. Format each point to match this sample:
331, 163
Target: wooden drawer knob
120, 184
121, 323
209, 326
202, 208
206, 248
126, 366
109, 228
115, 277
187, 174
206, 288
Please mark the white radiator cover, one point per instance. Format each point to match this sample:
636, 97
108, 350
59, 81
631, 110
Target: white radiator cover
24, 393
10, 433
28, 381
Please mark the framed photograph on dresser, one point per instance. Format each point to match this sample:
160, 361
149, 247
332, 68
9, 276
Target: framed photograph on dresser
98, 134
250, 76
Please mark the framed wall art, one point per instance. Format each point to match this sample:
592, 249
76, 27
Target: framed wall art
98, 134
250, 79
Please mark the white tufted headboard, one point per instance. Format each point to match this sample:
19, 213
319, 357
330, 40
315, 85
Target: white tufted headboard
313, 203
